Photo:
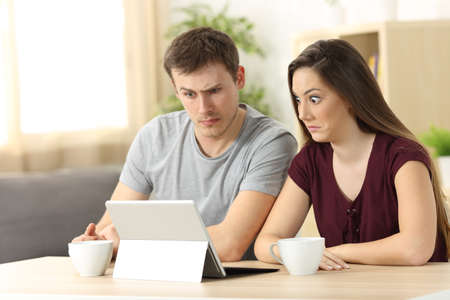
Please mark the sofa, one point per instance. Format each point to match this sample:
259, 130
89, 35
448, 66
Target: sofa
41, 212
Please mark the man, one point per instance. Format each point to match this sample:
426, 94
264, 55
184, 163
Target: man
230, 159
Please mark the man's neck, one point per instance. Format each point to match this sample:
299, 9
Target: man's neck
215, 146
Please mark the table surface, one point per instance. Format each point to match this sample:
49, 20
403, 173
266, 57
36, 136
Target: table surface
57, 276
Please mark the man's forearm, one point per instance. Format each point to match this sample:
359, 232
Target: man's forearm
104, 221
228, 248
121, 192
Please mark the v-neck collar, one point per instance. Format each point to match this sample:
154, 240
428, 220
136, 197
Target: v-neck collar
369, 165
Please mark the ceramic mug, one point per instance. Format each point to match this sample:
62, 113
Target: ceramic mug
91, 258
300, 255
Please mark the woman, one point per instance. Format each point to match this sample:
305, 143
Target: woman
373, 187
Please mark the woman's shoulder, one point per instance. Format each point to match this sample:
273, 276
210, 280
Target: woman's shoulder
398, 144
398, 150
313, 154
313, 149
312, 159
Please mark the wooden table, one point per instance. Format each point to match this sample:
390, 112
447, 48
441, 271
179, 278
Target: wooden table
49, 276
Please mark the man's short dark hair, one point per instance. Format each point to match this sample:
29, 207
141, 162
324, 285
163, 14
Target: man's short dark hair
198, 47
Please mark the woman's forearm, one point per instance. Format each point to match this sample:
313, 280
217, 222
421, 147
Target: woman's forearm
398, 249
262, 246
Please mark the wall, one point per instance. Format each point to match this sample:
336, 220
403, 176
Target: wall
276, 22
273, 30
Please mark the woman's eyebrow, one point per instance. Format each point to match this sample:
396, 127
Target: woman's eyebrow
310, 90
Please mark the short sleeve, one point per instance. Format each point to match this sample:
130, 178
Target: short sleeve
133, 172
405, 150
268, 166
298, 171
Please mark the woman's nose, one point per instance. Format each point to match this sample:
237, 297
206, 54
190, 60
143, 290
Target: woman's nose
303, 111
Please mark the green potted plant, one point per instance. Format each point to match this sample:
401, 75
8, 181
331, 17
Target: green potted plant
240, 29
439, 140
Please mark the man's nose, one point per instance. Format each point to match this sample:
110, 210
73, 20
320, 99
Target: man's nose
205, 104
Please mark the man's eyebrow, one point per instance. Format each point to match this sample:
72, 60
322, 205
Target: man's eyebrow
310, 90
215, 86
186, 89
204, 90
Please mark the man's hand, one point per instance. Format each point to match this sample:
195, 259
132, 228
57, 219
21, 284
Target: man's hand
110, 233
107, 233
88, 235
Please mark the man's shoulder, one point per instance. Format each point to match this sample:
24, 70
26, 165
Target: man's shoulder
262, 130
163, 130
170, 122
260, 124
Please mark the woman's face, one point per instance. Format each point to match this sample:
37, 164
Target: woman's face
323, 112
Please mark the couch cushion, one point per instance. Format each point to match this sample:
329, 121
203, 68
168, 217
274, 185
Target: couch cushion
41, 212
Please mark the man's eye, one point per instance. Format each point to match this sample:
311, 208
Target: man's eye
214, 91
315, 99
190, 95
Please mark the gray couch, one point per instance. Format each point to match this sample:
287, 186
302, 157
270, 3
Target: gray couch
41, 212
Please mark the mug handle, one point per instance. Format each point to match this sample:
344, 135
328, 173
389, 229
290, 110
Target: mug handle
273, 254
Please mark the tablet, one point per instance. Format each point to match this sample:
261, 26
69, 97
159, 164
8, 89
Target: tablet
177, 220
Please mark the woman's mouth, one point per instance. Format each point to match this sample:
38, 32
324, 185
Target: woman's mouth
313, 128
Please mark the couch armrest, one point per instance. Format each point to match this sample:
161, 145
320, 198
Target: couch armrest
41, 212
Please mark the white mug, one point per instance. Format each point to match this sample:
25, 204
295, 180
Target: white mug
91, 258
300, 255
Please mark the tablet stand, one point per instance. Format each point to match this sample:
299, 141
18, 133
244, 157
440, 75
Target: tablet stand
160, 260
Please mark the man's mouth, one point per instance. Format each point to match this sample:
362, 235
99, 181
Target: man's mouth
209, 122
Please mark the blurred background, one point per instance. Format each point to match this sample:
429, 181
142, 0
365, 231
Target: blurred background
78, 78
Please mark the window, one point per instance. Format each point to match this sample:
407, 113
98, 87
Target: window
71, 70
3, 108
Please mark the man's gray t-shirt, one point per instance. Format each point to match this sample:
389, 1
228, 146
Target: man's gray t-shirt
166, 162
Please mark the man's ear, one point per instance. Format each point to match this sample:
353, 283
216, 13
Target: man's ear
240, 77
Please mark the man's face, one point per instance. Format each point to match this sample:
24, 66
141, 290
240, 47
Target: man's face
210, 97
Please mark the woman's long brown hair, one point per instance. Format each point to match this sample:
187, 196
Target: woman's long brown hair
344, 69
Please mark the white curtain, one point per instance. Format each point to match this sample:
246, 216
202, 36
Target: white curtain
78, 78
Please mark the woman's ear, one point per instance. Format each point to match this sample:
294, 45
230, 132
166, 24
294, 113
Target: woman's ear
350, 109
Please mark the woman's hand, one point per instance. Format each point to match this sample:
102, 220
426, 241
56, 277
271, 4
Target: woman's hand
331, 262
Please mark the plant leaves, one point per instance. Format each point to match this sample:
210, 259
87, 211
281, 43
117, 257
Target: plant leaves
438, 139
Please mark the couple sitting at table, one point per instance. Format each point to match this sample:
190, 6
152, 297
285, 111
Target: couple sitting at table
373, 187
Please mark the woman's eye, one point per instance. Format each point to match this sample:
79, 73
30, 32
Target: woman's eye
297, 99
315, 99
